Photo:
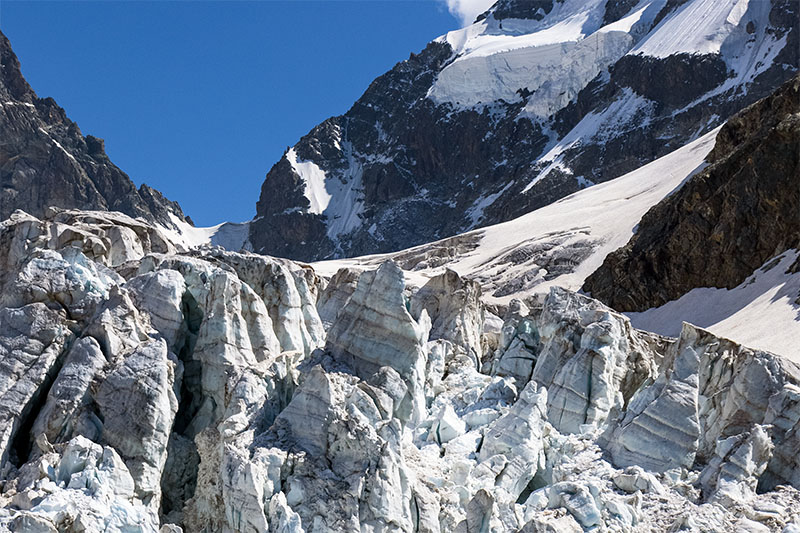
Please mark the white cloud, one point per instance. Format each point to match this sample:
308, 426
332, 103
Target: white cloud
467, 10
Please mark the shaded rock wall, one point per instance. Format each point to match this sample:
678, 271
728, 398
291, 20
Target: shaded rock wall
725, 222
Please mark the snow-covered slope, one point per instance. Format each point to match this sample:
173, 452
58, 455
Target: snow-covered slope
572, 236
762, 312
704, 26
554, 57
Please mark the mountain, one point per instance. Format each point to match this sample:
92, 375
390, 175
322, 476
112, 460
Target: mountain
153, 381
534, 101
709, 234
144, 389
45, 160
560, 244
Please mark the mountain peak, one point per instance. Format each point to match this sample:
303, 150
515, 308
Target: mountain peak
47, 162
534, 101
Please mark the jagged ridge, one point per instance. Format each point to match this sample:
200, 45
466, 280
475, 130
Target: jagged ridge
45, 160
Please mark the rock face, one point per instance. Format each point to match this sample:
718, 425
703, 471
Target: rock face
510, 114
725, 222
147, 389
46, 161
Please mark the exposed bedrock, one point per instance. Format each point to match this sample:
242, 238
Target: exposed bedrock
46, 160
725, 222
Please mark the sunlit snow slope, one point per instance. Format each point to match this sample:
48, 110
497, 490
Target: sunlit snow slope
553, 58
560, 244
763, 312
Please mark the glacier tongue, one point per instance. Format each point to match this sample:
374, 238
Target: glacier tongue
200, 391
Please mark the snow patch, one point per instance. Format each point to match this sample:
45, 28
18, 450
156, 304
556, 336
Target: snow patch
763, 312
598, 127
229, 235
58, 145
314, 179
555, 73
475, 212
338, 199
26, 104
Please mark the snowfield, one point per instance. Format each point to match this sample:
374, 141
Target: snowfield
501, 60
339, 200
605, 215
702, 26
763, 312
314, 179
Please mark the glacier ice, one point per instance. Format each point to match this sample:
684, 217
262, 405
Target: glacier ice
204, 391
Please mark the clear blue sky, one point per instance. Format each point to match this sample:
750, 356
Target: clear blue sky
199, 99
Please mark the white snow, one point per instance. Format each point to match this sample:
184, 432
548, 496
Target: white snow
596, 125
494, 64
339, 200
26, 104
229, 235
697, 27
610, 210
760, 313
642, 16
58, 145
475, 212
746, 55
314, 179
556, 57
553, 58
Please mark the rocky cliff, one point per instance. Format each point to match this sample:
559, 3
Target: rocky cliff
146, 389
45, 160
534, 101
725, 222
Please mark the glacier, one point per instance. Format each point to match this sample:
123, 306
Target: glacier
150, 387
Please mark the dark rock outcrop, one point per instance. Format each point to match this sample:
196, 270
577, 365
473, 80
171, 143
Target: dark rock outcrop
426, 156
519, 9
725, 222
45, 160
